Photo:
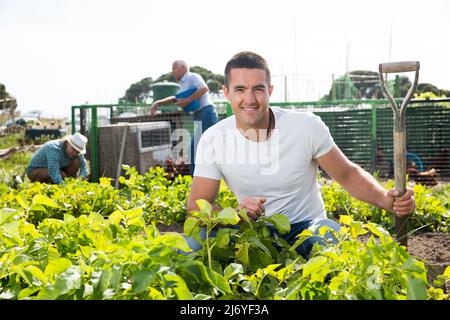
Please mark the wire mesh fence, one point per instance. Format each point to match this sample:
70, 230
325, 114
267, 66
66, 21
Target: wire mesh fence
362, 129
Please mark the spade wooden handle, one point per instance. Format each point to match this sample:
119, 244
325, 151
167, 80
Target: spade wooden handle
405, 66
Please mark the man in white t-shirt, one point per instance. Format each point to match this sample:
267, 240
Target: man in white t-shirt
269, 158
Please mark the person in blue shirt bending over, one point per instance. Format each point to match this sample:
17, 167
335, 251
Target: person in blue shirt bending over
58, 159
205, 113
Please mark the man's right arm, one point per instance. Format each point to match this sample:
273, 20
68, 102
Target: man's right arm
161, 102
203, 188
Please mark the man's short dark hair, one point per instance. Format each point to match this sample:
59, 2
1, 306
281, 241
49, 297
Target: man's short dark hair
248, 60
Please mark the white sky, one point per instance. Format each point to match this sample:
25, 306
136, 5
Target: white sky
55, 54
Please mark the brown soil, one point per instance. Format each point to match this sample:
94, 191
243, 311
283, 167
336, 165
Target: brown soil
433, 248
172, 228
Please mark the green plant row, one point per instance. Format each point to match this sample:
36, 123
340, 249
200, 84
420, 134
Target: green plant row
121, 257
163, 201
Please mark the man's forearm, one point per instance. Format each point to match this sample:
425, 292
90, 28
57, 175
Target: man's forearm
363, 186
165, 101
197, 94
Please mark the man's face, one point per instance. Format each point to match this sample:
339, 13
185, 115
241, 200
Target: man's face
178, 71
71, 151
249, 92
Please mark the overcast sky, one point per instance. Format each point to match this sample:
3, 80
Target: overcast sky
56, 53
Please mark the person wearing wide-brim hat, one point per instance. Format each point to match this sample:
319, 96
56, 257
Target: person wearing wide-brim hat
59, 159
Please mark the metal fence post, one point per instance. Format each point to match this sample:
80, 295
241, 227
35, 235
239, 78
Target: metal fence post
94, 145
373, 141
73, 120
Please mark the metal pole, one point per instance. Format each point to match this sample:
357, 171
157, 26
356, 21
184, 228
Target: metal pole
73, 119
285, 89
373, 142
94, 145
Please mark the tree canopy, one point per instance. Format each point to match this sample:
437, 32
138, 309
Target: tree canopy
139, 91
3, 92
358, 84
6, 100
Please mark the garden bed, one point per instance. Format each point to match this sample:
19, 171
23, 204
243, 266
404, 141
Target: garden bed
434, 249
431, 247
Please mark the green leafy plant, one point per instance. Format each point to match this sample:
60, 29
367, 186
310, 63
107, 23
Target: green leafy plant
249, 242
432, 209
164, 200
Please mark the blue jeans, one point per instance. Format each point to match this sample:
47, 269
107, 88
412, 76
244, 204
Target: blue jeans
303, 249
207, 117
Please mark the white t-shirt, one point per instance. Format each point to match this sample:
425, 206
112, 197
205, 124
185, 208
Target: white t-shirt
282, 169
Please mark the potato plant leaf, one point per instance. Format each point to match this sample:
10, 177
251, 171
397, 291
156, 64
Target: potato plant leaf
43, 200
416, 289
228, 216
313, 265
280, 222
189, 225
174, 240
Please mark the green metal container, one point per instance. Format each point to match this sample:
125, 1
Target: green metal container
164, 89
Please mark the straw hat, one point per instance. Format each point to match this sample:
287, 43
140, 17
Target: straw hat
77, 141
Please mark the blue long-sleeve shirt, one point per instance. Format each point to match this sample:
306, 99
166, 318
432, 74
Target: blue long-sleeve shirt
52, 155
